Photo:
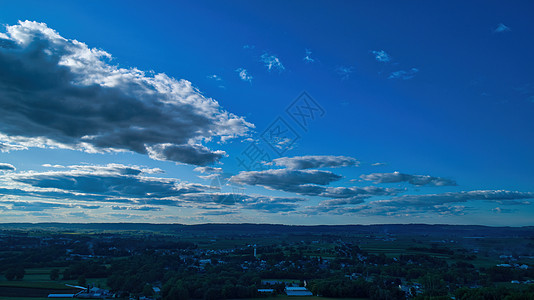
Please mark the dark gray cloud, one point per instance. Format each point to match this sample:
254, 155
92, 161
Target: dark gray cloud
6, 167
56, 92
190, 154
314, 162
112, 183
347, 192
307, 183
296, 181
412, 179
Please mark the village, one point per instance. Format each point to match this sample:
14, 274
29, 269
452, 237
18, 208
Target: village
231, 265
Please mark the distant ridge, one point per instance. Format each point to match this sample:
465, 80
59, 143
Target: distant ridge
250, 228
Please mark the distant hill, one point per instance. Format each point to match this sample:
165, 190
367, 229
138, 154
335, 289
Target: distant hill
267, 229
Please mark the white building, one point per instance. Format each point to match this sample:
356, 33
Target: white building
298, 291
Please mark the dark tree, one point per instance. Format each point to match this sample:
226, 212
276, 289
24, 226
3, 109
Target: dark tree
54, 274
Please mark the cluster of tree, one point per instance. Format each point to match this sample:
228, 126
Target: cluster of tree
507, 274
88, 269
380, 288
179, 289
491, 293
15, 273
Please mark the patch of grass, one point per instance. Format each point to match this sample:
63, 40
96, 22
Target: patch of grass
35, 284
23, 298
282, 297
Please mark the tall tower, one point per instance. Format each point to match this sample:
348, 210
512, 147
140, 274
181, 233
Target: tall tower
254, 250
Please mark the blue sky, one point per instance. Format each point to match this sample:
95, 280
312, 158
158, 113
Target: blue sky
129, 111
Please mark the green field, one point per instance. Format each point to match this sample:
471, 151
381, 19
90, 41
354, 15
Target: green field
23, 298
312, 298
39, 278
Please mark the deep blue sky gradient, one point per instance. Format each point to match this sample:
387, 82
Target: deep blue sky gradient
467, 114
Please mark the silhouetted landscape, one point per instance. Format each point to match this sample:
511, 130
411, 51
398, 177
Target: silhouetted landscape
243, 261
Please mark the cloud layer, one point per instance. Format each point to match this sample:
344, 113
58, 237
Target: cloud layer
126, 188
412, 179
411, 205
314, 162
297, 181
56, 92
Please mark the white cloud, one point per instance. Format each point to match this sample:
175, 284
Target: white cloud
272, 62
208, 170
381, 56
56, 92
243, 74
214, 77
308, 57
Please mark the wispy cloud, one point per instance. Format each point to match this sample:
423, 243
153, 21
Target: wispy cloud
272, 62
501, 28
344, 72
307, 58
381, 56
218, 79
244, 75
83, 94
404, 74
